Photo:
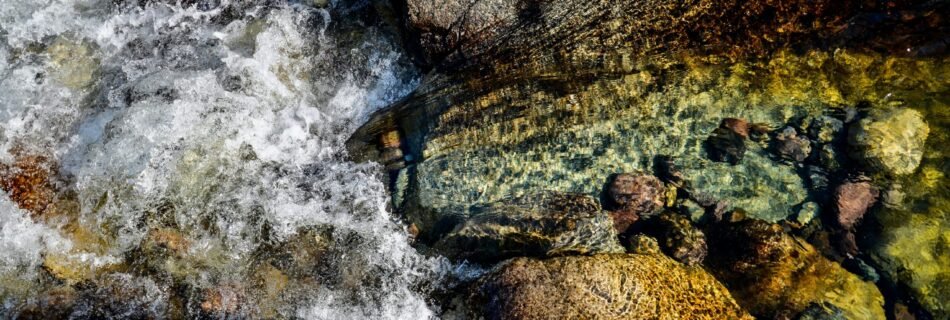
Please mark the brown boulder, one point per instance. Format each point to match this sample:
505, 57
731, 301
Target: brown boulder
638, 194
852, 201
633, 286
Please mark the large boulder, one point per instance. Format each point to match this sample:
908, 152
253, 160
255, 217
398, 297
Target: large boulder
456, 31
545, 224
635, 286
890, 141
771, 273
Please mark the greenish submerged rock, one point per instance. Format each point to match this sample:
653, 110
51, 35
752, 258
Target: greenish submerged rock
544, 224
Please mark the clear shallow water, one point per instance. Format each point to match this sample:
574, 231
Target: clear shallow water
223, 122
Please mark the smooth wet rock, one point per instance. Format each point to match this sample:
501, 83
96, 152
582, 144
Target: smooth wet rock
725, 145
790, 146
890, 141
678, 238
622, 286
852, 201
636, 194
545, 224
770, 272
894, 197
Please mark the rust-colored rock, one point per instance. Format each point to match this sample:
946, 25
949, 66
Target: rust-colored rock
29, 183
852, 201
622, 286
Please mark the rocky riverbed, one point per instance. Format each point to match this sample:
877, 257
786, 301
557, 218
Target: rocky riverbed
487, 159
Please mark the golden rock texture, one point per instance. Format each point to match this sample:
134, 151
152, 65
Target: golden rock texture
631, 286
771, 273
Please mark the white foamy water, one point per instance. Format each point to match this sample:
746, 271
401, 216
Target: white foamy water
225, 121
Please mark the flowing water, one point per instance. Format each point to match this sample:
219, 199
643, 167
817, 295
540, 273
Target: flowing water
216, 130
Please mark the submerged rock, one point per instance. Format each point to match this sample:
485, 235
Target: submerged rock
224, 301
121, 295
825, 129
891, 141
760, 186
911, 250
822, 311
637, 286
739, 126
546, 224
790, 146
678, 238
30, 183
73, 62
54, 303
643, 244
852, 201
725, 145
637, 195
770, 272
808, 212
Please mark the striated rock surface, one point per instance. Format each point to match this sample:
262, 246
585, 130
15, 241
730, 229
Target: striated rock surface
455, 31
636, 286
771, 273
546, 224
891, 141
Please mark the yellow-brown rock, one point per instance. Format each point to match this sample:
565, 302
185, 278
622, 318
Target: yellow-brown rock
770, 273
633, 286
